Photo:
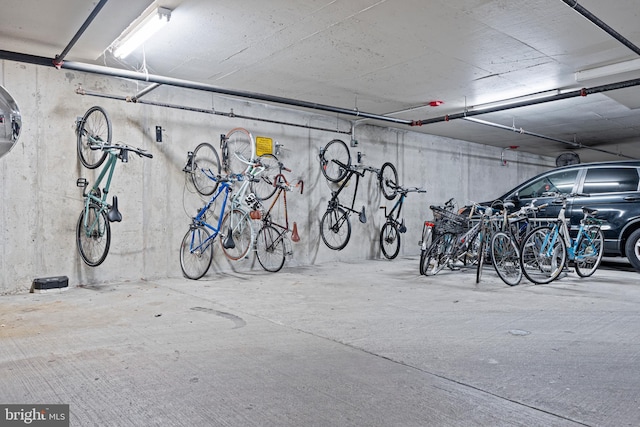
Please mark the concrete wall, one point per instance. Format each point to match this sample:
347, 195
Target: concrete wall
41, 203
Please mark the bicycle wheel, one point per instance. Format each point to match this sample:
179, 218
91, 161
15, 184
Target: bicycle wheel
439, 254
240, 145
94, 128
472, 254
482, 239
425, 243
263, 186
205, 159
335, 149
239, 223
335, 228
590, 251
541, 261
388, 179
196, 253
270, 248
93, 235
505, 257
390, 240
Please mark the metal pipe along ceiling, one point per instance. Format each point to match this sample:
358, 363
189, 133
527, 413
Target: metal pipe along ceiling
537, 135
550, 98
591, 17
152, 78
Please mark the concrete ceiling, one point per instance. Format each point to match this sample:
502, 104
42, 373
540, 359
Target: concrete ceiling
384, 57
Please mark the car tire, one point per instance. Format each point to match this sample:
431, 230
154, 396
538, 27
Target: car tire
632, 249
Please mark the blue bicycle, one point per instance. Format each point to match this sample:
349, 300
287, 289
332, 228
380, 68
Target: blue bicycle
546, 249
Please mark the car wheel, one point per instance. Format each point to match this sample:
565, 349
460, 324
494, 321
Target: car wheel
632, 249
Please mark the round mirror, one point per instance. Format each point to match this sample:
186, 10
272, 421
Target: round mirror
10, 122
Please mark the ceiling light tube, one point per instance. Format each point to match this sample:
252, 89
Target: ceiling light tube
142, 32
608, 70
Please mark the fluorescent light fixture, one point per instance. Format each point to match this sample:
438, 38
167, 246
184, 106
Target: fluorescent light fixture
515, 100
608, 70
142, 32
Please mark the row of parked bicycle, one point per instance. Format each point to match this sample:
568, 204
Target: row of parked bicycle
235, 186
515, 243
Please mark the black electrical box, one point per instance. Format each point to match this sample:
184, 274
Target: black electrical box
45, 283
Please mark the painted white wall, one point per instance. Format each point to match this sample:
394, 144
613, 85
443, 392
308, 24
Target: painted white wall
41, 203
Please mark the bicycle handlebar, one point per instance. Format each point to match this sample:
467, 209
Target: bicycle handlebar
122, 147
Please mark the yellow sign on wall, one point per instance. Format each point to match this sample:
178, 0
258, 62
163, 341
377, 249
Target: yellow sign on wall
264, 145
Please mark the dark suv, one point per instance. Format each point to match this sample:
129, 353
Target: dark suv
612, 188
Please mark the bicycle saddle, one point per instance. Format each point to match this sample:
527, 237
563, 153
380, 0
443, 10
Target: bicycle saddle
114, 214
589, 211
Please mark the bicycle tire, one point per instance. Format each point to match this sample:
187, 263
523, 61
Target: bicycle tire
427, 237
238, 221
590, 250
95, 125
439, 254
270, 249
388, 180
93, 243
481, 253
335, 228
505, 257
240, 145
537, 267
195, 254
390, 240
335, 149
205, 158
263, 187
472, 254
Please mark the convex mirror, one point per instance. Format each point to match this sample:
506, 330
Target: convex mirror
10, 122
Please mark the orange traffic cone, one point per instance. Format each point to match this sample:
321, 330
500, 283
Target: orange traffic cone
294, 235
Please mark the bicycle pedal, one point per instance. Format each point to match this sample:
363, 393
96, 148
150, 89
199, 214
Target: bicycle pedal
82, 183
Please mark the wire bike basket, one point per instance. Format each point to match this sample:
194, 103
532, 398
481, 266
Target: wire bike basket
448, 222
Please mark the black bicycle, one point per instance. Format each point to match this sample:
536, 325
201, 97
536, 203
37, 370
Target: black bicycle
335, 163
394, 226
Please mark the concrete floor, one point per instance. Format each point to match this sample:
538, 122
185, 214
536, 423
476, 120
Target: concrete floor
367, 344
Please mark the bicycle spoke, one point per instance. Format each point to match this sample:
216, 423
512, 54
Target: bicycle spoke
94, 128
240, 145
542, 259
390, 240
205, 162
335, 150
335, 228
589, 252
93, 235
196, 253
505, 258
270, 248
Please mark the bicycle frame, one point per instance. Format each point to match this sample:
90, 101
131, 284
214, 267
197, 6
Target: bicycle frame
561, 230
225, 188
90, 197
267, 219
333, 202
397, 208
